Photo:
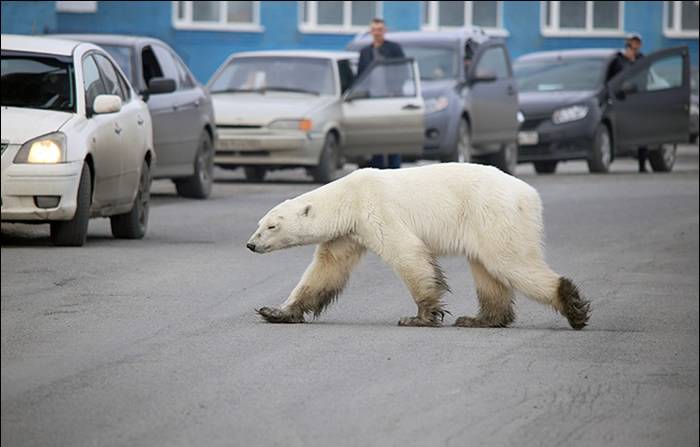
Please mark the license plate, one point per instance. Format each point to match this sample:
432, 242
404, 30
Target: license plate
236, 145
528, 138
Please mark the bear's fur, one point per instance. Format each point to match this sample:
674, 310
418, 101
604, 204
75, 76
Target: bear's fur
409, 217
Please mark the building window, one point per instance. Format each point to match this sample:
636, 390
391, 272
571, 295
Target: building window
445, 15
582, 18
681, 19
224, 16
337, 17
79, 7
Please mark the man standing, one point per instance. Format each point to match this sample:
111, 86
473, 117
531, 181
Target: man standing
378, 50
623, 60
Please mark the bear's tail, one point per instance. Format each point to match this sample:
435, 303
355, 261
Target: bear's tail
574, 307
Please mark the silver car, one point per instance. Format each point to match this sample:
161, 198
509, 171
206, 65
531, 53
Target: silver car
288, 109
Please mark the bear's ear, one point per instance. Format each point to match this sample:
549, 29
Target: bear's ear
305, 211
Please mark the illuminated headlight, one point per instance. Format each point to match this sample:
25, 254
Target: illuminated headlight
693, 109
568, 114
520, 117
433, 105
47, 149
303, 124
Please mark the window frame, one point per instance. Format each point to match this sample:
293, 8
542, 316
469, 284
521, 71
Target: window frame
676, 32
187, 23
434, 15
554, 30
312, 26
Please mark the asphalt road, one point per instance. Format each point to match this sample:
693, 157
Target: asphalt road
155, 342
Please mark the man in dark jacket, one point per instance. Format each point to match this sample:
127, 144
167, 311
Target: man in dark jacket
380, 49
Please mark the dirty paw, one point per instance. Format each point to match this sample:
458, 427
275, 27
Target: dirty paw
416, 321
275, 315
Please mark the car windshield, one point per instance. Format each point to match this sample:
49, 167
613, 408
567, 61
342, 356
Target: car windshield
261, 74
122, 55
434, 62
554, 75
37, 82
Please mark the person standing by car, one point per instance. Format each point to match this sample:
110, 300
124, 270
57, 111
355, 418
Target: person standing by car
623, 60
378, 50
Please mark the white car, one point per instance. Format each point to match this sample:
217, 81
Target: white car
77, 140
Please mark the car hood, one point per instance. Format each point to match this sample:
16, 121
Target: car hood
20, 125
260, 109
543, 103
433, 89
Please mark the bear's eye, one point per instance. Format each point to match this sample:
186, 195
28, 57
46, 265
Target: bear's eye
271, 227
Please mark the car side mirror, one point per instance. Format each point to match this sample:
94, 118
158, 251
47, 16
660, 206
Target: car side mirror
106, 104
161, 85
484, 76
356, 94
627, 88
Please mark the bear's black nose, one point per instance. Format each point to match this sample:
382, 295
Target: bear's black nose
250, 246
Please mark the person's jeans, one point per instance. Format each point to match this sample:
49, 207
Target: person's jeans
380, 161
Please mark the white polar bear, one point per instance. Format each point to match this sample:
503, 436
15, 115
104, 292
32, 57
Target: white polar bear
409, 217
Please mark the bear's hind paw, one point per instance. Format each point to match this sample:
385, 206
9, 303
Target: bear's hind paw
274, 315
419, 322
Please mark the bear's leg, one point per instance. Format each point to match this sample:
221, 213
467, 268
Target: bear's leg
495, 300
321, 283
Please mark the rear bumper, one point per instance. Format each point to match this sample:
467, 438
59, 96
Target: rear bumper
23, 183
264, 147
568, 141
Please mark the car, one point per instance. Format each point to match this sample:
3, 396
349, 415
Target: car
77, 140
470, 113
184, 132
572, 111
290, 109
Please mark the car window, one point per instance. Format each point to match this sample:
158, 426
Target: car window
434, 62
556, 74
110, 77
150, 66
662, 74
346, 74
92, 82
122, 55
186, 81
493, 60
37, 82
167, 64
388, 80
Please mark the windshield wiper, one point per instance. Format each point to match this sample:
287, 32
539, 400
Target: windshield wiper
239, 90
291, 89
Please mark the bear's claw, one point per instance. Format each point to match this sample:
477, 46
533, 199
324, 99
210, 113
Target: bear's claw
274, 315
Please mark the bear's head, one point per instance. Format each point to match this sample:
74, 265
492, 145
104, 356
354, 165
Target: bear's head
289, 224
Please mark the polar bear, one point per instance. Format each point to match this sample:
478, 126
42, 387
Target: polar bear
409, 217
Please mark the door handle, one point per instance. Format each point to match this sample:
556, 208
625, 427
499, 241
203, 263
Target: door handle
139, 121
511, 90
117, 129
410, 107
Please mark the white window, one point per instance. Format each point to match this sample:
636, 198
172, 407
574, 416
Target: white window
445, 15
224, 16
582, 18
337, 17
681, 19
80, 7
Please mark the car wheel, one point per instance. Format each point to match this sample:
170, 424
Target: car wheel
72, 233
506, 159
328, 163
462, 148
663, 159
199, 185
132, 225
546, 167
255, 173
601, 154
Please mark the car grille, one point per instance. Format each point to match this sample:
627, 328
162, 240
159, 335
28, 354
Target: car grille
238, 126
532, 123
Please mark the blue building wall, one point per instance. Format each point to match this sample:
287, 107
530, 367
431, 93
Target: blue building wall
205, 50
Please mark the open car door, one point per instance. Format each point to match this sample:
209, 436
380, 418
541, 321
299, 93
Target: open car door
650, 101
383, 111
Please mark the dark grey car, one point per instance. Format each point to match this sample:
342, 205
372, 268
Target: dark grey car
184, 132
470, 113
573, 111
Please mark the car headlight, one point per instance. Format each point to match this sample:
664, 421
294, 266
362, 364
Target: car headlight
520, 117
693, 109
568, 114
46, 149
302, 124
433, 105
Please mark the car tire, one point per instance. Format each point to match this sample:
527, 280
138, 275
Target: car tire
199, 185
663, 159
327, 167
462, 147
73, 233
546, 167
133, 225
255, 173
506, 159
601, 153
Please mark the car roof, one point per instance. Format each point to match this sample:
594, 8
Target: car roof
470, 32
111, 39
36, 44
602, 53
320, 54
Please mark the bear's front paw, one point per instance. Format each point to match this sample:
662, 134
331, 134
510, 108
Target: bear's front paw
417, 321
274, 315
